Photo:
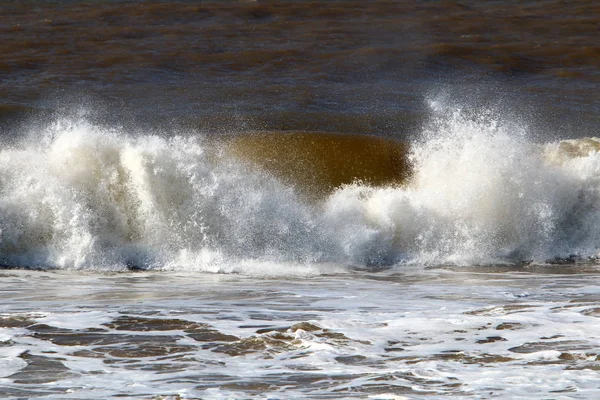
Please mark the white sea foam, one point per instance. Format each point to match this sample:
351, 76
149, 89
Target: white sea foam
81, 196
481, 193
87, 197
427, 333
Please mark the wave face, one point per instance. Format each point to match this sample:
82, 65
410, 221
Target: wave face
318, 162
77, 195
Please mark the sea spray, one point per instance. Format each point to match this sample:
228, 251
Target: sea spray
482, 193
77, 195
86, 197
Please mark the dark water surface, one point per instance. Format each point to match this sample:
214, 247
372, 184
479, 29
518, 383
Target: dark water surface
459, 261
349, 66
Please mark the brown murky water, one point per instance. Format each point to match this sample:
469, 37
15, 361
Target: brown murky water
346, 66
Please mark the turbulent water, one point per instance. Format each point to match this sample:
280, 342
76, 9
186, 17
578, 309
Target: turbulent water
480, 333
307, 315
297, 199
476, 190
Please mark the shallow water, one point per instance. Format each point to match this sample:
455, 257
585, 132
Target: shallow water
407, 332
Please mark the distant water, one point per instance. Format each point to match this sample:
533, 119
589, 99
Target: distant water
294, 199
349, 66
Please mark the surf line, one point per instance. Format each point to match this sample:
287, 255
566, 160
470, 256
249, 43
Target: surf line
319, 162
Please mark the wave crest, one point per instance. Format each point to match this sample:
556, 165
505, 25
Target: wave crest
82, 196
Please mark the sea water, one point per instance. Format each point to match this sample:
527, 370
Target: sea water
476, 277
294, 199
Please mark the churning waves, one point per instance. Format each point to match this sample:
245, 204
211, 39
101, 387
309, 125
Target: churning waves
474, 189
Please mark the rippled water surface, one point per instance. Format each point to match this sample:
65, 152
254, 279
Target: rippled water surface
475, 332
350, 66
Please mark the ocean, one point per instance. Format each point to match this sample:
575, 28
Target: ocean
299, 199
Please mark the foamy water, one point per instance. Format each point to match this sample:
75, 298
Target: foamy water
409, 333
78, 195
250, 289
191, 206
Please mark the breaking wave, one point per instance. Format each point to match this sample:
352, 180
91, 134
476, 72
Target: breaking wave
478, 191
